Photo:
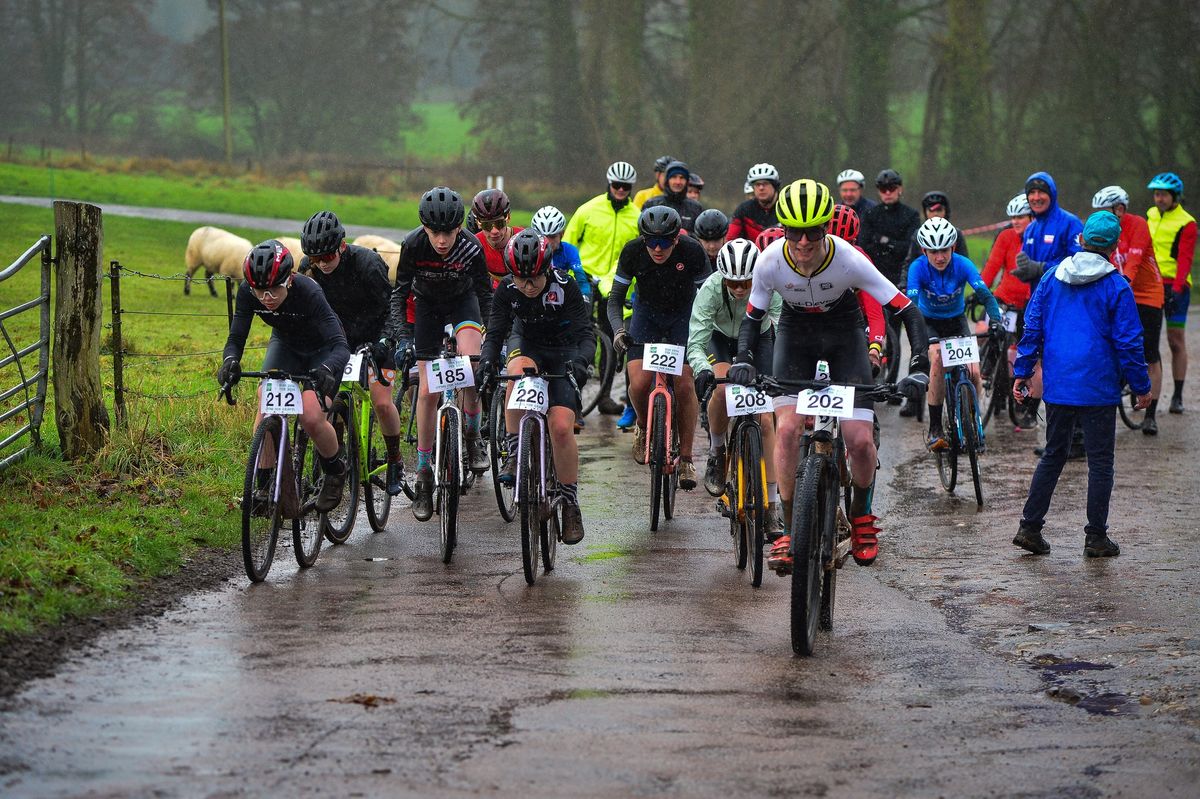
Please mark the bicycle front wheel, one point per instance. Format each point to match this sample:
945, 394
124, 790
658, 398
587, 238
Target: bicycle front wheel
530, 480
808, 514
374, 484
604, 366
260, 501
968, 415
339, 522
449, 482
658, 457
506, 497
754, 503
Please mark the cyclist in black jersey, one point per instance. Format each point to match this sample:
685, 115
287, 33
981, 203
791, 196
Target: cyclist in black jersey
546, 321
443, 266
355, 282
306, 336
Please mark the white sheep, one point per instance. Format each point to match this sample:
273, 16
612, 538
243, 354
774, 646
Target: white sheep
218, 251
388, 250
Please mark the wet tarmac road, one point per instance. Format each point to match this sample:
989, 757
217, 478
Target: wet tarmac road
645, 665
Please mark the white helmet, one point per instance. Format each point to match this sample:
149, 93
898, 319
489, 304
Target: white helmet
1019, 206
1110, 196
851, 174
736, 259
936, 233
763, 172
621, 172
748, 188
548, 221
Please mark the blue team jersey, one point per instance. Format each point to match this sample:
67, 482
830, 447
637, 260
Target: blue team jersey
566, 259
942, 295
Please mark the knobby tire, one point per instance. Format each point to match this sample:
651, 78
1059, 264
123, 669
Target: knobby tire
260, 532
530, 501
808, 511
449, 484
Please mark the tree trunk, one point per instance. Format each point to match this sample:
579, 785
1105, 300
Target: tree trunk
79, 410
874, 34
569, 135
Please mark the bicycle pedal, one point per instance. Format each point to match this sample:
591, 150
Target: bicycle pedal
722, 508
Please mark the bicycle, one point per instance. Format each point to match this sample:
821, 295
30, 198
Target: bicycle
996, 357
365, 450
662, 447
1128, 410
961, 417
820, 534
287, 486
744, 501
536, 486
605, 364
506, 495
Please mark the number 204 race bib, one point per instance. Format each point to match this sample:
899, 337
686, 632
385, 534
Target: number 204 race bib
280, 397
959, 351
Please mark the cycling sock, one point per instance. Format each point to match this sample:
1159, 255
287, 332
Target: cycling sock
716, 440
393, 447
860, 501
1178, 390
935, 421
1152, 409
569, 492
772, 492
786, 504
472, 421
334, 465
510, 443
424, 456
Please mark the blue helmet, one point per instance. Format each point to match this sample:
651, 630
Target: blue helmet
1167, 181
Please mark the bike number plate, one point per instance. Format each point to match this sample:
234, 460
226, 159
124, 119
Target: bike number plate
446, 374
665, 358
744, 400
529, 394
1010, 321
833, 401
353, 368
281, 397
959, 351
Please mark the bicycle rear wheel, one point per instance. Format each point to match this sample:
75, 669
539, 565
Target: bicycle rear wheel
406, 404
947, 459
993, 365
1132, 417
260, 503
506, 497
604, 366
449, 483
969, 417
377, 499
754, 499
306, 528
658, 458
338, 523
807, 515
530, 479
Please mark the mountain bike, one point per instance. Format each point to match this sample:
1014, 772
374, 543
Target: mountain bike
280, 481
537, 485
506, 495
366, 451
996, 357
820, 534
662, 435
744, 501
961, 417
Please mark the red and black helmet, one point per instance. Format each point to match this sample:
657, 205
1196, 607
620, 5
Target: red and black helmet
490, 204
767, 236
267, 265
844, 223
527, 254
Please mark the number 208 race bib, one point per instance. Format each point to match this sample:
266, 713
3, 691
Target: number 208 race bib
743, 401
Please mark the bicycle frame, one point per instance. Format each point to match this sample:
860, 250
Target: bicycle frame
954, 377
661, 388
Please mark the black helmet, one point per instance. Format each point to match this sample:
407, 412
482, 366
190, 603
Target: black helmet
322, 234
490, 204
933, 198
526, 255
659, 220
695, 180
660, 165
441, 209
471, 224
888, 177
267, 265
711, 224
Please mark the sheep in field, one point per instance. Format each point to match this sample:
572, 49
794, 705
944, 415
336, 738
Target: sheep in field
293, 246
388, 250
218, 251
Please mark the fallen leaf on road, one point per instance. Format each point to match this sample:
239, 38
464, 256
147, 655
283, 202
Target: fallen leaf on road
369, 701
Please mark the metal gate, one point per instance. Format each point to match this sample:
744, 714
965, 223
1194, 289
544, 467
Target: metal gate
31, 388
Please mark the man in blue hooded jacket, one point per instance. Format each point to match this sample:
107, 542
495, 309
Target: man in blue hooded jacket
1082, 324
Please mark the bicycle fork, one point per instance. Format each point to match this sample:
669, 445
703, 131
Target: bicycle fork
439, 454
660, 388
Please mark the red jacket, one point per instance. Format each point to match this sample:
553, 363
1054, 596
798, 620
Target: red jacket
1012, 291
1135, 258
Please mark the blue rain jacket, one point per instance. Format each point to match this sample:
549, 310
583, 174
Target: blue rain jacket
1053, 234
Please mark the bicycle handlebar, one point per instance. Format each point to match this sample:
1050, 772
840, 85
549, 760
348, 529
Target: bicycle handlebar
304, 378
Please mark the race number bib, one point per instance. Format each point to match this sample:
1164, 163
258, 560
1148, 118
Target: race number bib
445, 374
959, 351
280, 397
744, 400
833, 401
529, 394
1010, 321
353, 368
665, 358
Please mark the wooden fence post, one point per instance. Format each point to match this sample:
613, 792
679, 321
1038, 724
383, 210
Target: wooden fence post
79, 410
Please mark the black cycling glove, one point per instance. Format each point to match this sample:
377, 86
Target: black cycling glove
230, 371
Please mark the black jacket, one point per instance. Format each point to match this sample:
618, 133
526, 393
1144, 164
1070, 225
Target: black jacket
688, 209
359, 292
887, 232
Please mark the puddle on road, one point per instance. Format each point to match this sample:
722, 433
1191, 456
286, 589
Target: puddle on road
1055, 670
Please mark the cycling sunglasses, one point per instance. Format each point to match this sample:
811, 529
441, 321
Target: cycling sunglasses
621, 186
658, 242
738, 284
493, 224
323, 259
811, 233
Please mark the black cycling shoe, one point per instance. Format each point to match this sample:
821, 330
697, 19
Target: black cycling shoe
909, 408
1031, 540
331, 488
508, 469
1100, 546
1149, 426
1176, 405
477, 452
422, 505
610, 407
714, 473
395, 477
572, 523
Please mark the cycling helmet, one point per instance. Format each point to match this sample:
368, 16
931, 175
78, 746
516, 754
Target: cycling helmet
748, 189
659, 220
695, 180
472, 225
767, 236
441, 209
736, 259
763, 172
1019, 206
1110, 196
267, 265
804, 203
621, 172
322, 234
1168, 181
933, 198
490, 204
851, 175
527, 254
711, 224
936, 233
844, 223
888, 177
548, 221
660, 165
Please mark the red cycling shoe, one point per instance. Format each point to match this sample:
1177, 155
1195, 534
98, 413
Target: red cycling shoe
779, 557
863, 542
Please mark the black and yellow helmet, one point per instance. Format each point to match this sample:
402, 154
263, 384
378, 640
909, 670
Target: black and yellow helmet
804, 203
